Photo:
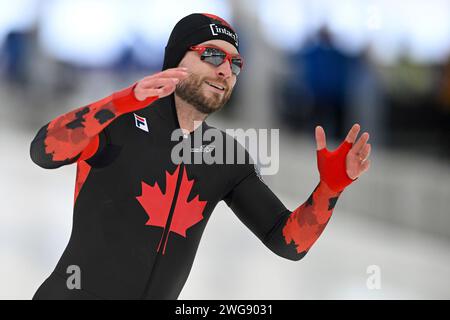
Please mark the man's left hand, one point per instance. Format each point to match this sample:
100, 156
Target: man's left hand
356, 161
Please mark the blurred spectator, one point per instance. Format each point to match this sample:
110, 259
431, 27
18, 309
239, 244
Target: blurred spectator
15, 52
365, 98
326, 76
324, 72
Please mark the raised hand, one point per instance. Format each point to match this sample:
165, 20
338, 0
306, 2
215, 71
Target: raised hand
160, 84
340, 167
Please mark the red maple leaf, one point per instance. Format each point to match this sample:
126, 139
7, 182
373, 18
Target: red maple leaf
83, 170
157, 205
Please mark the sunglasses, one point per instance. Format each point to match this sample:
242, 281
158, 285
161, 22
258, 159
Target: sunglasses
217, 56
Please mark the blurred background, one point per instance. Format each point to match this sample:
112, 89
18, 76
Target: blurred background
384, 64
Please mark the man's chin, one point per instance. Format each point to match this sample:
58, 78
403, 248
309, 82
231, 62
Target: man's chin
214, 102
212, 94
208, 109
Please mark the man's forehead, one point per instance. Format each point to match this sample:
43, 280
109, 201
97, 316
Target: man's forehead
221, 44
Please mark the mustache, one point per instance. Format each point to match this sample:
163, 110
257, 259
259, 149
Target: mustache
198, 79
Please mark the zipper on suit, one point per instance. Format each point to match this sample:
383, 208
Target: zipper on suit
166, 232
166, 229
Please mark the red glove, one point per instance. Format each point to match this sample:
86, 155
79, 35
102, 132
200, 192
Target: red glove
332, 167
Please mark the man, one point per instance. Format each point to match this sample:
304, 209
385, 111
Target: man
138, 214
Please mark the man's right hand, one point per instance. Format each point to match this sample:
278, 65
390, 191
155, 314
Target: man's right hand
160, 84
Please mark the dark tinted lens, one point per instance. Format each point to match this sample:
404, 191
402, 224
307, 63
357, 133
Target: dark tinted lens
213, 56
217, 56
236, 65
216, 60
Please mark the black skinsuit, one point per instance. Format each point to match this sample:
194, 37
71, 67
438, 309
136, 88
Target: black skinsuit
139, 217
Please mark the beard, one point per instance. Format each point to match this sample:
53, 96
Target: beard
191, 91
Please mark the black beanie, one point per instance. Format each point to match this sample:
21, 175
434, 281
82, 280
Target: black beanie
192, 30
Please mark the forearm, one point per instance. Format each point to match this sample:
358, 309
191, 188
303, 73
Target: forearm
73, 135
297, 231
306, 223
290, 234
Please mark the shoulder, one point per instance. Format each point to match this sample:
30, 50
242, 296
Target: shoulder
228, 141
234, 144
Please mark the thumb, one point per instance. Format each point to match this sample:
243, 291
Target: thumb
320, 138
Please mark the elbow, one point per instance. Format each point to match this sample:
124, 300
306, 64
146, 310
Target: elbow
40, 158
36, 157
294, 256
300, 256
37, 150
288, 252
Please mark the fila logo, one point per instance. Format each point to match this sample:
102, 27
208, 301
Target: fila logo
141, 122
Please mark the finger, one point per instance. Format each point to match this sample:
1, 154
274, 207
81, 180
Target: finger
321, 140
157, 83
169, 73
360, 143
166, 90
365, 166
353, 133
365, 152
160, 91
175, 70
151, 79
153, 92
175, 73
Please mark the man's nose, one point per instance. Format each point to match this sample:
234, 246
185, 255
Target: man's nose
224, 70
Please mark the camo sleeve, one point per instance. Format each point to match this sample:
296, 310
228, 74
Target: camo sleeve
74, 136
289, 234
